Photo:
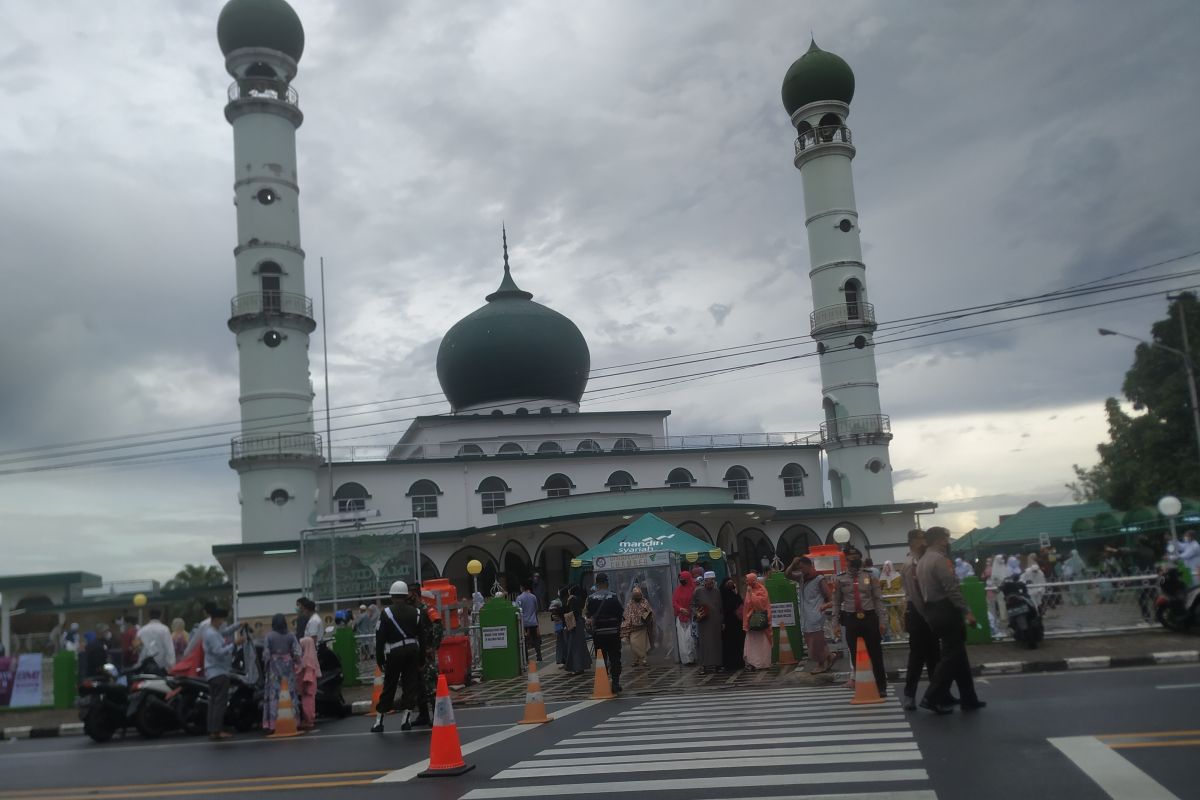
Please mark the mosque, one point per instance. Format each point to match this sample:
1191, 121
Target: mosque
520, 475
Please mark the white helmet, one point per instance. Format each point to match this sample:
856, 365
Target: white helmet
398, 588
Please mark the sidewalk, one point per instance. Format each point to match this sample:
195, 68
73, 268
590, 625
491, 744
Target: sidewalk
1091, 652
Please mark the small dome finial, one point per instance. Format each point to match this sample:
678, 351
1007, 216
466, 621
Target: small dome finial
504, 238
508, 287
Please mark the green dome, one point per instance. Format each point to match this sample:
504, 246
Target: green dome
260, 23
817, 76
512, 349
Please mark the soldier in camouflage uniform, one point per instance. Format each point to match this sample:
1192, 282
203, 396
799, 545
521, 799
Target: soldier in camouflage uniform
429, 668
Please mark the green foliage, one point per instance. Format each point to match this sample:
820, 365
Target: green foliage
197, 585
1153, 453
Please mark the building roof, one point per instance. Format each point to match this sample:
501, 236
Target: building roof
83, 579
647, 534
272, 24
1027, 525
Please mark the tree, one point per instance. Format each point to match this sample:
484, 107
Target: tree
1153, 453
196, 585
195, 576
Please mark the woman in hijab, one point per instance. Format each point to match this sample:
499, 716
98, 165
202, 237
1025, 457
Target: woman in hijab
1014, 567
638, 626
1035, 579
578, 659
996, 605
557, 607
733, 638
962, 570
889, 584
706, 608
179, 637
282, 654
1074, 569
681, 602
307, 672
756, 612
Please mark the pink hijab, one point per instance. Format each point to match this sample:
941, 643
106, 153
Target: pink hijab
308, 658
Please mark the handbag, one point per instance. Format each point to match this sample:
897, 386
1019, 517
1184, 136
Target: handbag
757, 621
569, 620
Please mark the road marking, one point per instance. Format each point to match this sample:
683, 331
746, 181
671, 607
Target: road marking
745, 710
582, 738
773, 753
1106, 736
658, 744
174, 789
741, 697
1179, 686
873, 712
621, 766
1110, 771
1167, 743
733, 782
412, 770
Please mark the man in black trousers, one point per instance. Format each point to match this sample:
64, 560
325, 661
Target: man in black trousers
857, 604
923, 650
945, 610
604, 613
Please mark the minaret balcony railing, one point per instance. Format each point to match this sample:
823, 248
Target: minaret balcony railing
869, 429
842, 317
259, 308
825, 134
263, 89
275, 446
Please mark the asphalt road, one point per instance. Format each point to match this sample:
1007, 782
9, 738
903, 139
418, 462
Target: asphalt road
1134, 731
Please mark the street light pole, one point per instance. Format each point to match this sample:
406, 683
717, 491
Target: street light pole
1187, 365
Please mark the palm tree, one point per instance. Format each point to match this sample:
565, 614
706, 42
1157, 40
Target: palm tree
200, 584
196, 576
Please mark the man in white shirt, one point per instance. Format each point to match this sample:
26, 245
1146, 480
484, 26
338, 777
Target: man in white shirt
313, 626
156, 643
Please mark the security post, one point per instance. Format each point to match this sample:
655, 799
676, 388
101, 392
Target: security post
501, 637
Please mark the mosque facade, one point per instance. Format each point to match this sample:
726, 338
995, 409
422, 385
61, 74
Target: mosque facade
520, 475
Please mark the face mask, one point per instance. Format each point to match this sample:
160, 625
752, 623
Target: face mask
855, 563
683, 582
637, 597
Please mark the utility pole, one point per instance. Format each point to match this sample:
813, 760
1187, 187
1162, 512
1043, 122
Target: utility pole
1187, 357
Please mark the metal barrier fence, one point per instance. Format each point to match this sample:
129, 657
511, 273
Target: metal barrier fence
1092, 605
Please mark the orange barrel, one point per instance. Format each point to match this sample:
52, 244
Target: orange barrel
454, 658
827, 558
449, 599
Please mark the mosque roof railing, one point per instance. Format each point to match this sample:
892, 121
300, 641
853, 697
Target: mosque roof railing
583, 444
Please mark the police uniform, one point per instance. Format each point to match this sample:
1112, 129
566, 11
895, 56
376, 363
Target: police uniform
400, 643
429, 664
605, 612
857, 602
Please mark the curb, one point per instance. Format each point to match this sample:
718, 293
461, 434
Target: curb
1075, 664
30, 732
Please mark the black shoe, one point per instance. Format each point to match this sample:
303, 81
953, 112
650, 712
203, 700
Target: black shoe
616, 687
978, 704
377, 727
423, 720
937, 708
909, 703
953, 701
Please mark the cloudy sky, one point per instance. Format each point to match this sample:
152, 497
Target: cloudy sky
641, 158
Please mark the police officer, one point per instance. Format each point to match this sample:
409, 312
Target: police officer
400, 644
857, 603
427, 603
604, 613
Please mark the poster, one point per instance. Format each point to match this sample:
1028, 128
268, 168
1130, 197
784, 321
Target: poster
783, 614
21, 681
495, 638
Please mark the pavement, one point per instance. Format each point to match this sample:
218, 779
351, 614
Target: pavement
1127, 649
1124, 734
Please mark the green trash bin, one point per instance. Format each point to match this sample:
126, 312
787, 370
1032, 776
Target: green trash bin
782, 593
66, 678
345, 647
500, 632
975, 594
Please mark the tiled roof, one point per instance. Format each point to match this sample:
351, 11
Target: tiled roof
1028, 523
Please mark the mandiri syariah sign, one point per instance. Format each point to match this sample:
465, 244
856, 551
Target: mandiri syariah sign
649, 544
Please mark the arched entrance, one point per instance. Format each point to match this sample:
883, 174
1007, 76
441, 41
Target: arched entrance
754, 551
725, 539
516, 567
695, 529
857, 537
796, 541
553, 560
456, 571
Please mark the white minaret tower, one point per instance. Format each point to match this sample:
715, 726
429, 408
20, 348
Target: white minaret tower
277, 454
816, 93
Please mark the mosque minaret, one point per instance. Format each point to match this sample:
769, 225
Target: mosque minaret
816, 93
277, 454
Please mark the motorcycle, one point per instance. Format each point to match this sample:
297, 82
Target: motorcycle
1177, 606
1023, 617
181, 703
104, 699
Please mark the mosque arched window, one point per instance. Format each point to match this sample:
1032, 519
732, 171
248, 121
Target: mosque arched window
680, 478
805, 135
492, 494
738, 478
625, 446
620, 481
829, 127
470, 451
351, 497
424, 496
558, 485
511, 449
549, 447
588, 446
270, 277
853, 291
793, 476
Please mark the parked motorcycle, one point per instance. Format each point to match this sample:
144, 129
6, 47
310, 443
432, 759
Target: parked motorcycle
1177, 606
104, 699
1023, 617
330, 702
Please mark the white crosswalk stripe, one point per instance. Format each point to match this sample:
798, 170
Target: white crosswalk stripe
809, 744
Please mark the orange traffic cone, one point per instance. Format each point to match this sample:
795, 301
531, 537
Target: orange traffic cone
445, 751
285, 718
535, 706
786, 656
602, 689
865, 690
376, 691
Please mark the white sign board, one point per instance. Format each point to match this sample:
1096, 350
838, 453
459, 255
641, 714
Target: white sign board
783, 614
495, 638
1044, 539
27, 683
